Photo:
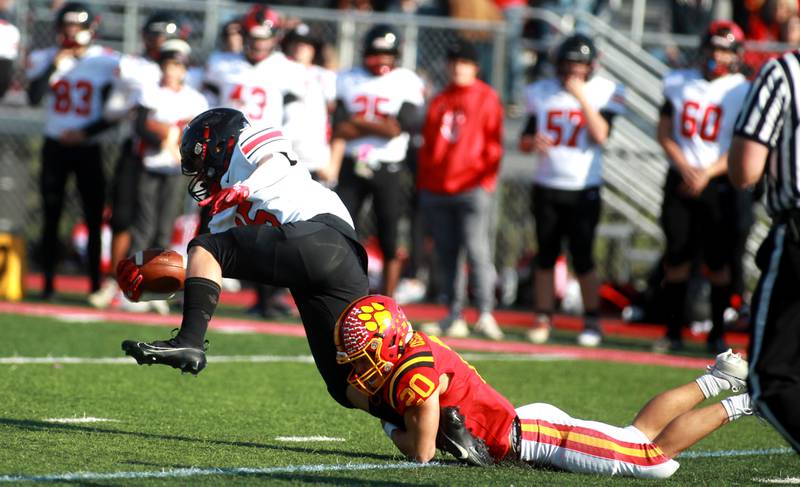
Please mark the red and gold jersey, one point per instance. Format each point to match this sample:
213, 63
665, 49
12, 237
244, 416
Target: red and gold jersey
487, 414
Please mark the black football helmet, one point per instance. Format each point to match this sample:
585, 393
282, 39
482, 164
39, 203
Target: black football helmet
577, 48
76, 13
207, 145
380, 39
165, 24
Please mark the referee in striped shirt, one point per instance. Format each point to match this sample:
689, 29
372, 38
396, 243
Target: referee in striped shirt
766, 138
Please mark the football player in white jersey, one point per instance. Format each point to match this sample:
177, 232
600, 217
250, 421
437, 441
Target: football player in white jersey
570, 121
271, 223
699, 209
74, 78
307, 122
377, 109
260, 81
137, 72
9, 50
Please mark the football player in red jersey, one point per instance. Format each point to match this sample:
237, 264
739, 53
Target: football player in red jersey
445, 403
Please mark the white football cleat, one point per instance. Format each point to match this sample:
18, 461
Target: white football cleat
458, 329
732, 368
540, 332
431, 328
590, 338
487, 325
102, 298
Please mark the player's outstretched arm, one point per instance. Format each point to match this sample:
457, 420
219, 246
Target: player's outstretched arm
418, 441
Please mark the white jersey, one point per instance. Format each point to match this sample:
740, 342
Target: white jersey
135, 73
9, 40
375, 97
703, 113
75, 98
281, 192
258, 89
575, 160
169, 107
307, 122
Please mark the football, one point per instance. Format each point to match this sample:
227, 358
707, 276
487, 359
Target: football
163, 273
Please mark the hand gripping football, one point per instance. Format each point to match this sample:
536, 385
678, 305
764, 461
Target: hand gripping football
163, 273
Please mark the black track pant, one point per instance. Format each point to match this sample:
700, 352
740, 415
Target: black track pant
774, 380
58, 162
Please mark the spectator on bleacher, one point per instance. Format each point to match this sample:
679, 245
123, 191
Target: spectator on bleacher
74, 77
162, 111
699, 209
136, 72
377, 110
456, 178
570, 121
778, 22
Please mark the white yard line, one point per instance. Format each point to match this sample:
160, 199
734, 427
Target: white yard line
783, 481
304, 439
80, 420
735, 453
198, 472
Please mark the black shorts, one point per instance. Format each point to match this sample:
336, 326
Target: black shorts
774, 354
566, 214
125, 188
320, 262
387, 199
706, 224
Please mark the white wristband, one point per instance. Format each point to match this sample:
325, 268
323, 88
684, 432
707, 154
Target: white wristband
389, 428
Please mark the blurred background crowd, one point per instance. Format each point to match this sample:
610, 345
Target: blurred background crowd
167, 61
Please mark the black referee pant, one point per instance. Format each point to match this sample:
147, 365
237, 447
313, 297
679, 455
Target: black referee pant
58, 162
774, 379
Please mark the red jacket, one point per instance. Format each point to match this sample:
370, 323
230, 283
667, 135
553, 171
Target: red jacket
463, 140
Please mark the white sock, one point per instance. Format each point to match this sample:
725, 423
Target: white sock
711, 385
737, 406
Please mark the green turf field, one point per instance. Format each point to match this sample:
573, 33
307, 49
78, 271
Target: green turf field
232, 423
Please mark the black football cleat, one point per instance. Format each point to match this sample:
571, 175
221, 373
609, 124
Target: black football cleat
187, 359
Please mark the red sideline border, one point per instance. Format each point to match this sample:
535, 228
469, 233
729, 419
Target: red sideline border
238, 325
417, 312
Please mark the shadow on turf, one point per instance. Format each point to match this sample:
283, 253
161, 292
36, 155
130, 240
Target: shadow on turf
31, 424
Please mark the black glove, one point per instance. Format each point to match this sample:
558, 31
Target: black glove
454, 438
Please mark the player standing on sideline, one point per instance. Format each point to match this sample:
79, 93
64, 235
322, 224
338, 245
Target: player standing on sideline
162, 111
136, 72
308, 121
75, 77
446, 404
456, 178
261, 82
699, 208
9, 47
570, 121
271, 224
377, 109
765, 145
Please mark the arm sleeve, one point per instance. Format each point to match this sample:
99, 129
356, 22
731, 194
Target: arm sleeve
101, 123
38, 86
6, 72
340, 114
409, 117
666, 109
140, 127
762, 116
530, 126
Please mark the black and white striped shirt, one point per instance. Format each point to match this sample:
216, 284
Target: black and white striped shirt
771, 116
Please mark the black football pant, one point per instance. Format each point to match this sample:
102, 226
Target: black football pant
58, 162
774, 380
324, 270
